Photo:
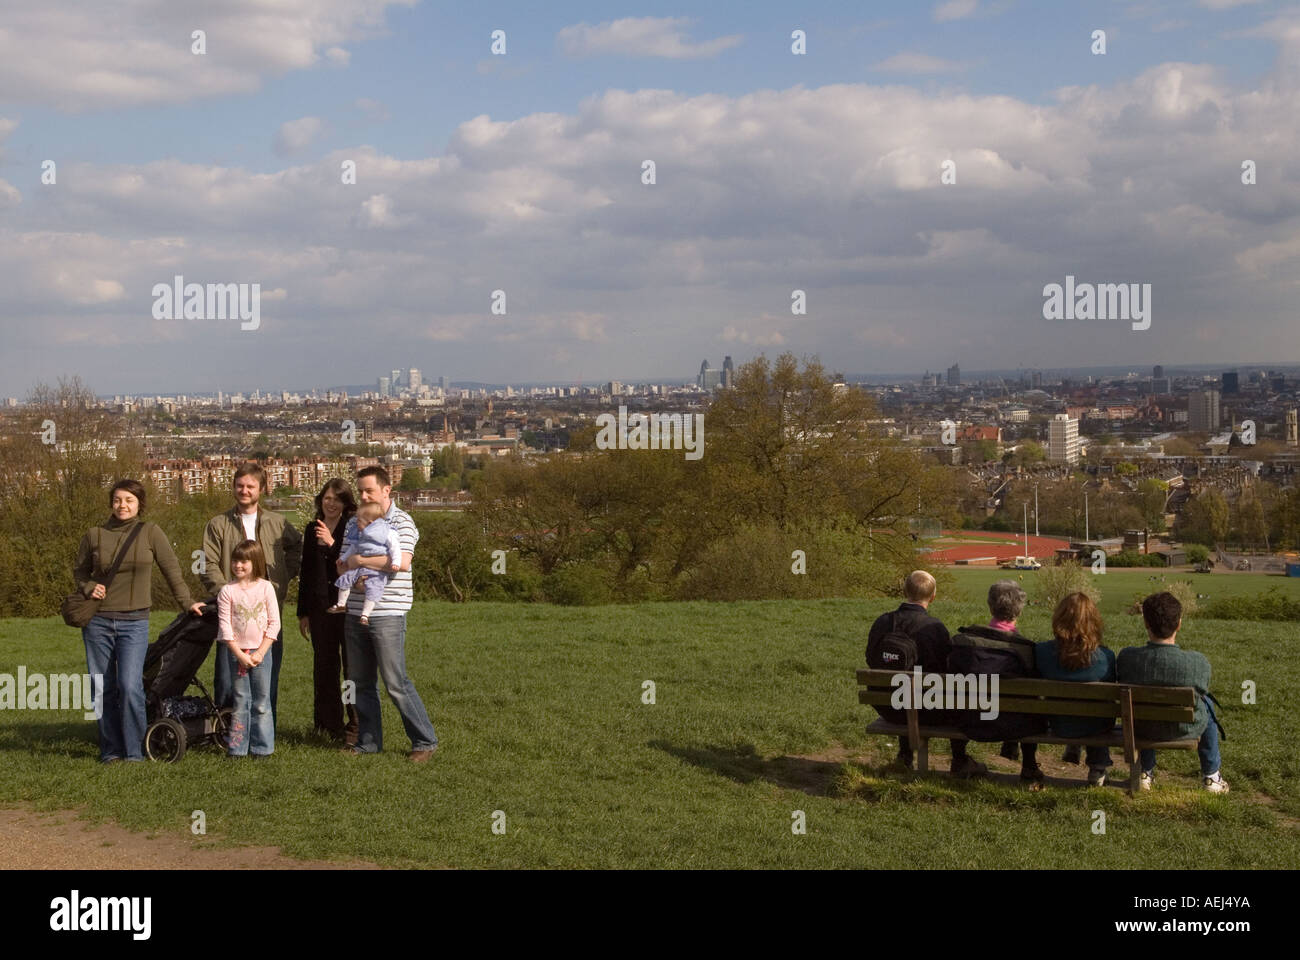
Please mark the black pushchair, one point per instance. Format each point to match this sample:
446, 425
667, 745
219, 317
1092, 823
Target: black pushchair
171, 665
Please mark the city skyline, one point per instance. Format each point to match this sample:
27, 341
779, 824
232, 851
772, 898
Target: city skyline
816, 179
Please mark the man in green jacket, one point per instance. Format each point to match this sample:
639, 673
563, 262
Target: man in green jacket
1163, 663
282, 545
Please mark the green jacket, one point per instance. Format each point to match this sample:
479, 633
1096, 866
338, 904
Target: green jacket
1167, 665
281, 543
131, 587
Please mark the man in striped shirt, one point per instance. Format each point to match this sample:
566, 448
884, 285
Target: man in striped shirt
379, 648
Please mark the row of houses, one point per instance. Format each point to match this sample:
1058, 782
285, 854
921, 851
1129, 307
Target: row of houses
175, 477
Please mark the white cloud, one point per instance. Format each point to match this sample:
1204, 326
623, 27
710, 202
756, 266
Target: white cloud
88, 56
1225, 4
549, 207
759, 338
294, 136
918, 63
954, 10
640, 37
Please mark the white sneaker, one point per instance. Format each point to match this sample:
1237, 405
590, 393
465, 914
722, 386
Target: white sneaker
1097, 777
1147, 780
1215, 783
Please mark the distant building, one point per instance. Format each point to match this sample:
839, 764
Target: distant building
1231, 383
709, 379
385, 387
1157, 372
954, 376
413, 379
443, 383
1203, 411
1292, 438
395, 379
1160, 385
1063, 439
728, 373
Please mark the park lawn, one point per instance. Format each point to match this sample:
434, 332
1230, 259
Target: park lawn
1121, 585
540, 715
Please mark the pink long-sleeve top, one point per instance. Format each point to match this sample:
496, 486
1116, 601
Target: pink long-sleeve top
248, 615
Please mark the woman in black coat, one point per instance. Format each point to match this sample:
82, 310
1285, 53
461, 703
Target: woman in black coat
321, 543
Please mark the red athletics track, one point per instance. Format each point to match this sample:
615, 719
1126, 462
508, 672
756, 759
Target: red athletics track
1012, 545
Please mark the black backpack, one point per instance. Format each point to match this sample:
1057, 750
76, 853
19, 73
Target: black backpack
896, 650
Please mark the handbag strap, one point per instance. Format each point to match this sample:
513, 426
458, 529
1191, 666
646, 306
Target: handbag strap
121, 555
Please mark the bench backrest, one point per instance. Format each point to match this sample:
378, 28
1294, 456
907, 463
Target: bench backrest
1059, 698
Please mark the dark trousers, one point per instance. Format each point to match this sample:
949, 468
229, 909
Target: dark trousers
330, 657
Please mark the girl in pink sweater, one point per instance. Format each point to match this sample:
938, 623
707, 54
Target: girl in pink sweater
249, 618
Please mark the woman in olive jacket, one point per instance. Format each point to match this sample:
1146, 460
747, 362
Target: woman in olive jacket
117, 637
321, 543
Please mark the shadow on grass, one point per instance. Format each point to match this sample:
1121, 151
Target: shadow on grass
842, 774
50, 738
744, 765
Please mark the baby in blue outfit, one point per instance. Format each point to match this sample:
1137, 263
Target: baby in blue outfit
374, 537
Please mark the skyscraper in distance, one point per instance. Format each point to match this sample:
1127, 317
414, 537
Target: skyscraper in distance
1203, 411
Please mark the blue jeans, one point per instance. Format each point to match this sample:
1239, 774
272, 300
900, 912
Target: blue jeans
1207, 748
116, 649
222, 692
252, 729
380, 648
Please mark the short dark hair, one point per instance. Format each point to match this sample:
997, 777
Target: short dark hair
379, 473
251, 551
341, 489
250, 469
133, 487
1162, 614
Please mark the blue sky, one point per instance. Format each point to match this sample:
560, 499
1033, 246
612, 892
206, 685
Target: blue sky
776, 172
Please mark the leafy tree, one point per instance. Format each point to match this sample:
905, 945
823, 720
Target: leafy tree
1206, 518
1151, 498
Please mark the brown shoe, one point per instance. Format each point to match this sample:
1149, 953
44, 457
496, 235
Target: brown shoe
350, 751
420, 756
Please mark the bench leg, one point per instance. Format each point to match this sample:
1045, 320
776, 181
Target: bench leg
1130, 742
914, 740
923, 756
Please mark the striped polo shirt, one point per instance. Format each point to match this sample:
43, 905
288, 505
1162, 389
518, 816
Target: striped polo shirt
397, 595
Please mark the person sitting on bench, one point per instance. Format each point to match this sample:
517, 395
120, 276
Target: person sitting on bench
999, 649
1076, 654
932, 644
1163, 663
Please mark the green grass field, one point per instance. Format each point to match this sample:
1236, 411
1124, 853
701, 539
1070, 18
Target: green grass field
540, 714
1120, 585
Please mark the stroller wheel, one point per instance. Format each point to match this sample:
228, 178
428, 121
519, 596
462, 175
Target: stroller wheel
221, 736
165, 740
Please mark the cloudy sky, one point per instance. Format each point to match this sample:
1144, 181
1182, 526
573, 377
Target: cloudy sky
523, 172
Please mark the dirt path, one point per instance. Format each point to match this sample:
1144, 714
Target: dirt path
60, 841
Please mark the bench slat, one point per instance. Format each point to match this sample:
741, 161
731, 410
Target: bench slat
1113, 739
1059, 708
1170, 696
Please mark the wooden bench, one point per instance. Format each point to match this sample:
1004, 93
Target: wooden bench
1121, 701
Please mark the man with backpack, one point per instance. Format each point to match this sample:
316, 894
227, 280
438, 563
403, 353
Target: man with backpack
908, 637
